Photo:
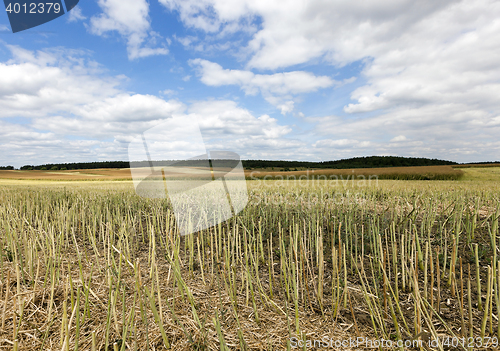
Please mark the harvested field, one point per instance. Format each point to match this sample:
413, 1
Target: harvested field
92, 266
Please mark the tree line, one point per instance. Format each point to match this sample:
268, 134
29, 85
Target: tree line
77, 165
356, 162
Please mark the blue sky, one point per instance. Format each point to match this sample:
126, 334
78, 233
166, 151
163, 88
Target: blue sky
268, 79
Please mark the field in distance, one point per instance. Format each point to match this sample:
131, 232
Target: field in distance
475, 172
87, 174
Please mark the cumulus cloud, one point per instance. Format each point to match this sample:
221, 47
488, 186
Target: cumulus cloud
227, 126
279, 83
398, 138
21, 145
462, 136
301, 31
224, 124
429, 81
416, 53
130, 18
168, 92
430, 67
275, 87
73, 110
69, 105
126, 107
38, 83
340, 143
186, 41
226, 117
76, 15
115, 116
214, 16
52, 82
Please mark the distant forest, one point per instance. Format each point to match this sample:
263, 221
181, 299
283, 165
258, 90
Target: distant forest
77, 165
356, 162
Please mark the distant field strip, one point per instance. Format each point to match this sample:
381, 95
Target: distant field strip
91, 174
398, 173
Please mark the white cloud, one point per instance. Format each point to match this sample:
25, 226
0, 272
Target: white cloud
21, 145
4, 28
398, 138
286, 107
213, 16
226, 117
460, 135
429, 73
74, 111
76, 15
430, 67
208, 44
39, 83
339, 143
66, 93
224, 125
168, 92
227, 126
279, 83
130, 18
276, 88
300, 31
128, 108
112, 117
186, 41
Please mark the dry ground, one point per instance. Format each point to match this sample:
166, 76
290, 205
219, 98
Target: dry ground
65, 217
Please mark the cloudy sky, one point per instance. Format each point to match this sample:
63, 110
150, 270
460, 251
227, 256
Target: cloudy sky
268, 79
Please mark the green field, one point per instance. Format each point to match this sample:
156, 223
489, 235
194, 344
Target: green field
92, 266
482, 174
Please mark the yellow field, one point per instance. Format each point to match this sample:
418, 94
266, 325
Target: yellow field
92, 266
91, 174
430, 172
